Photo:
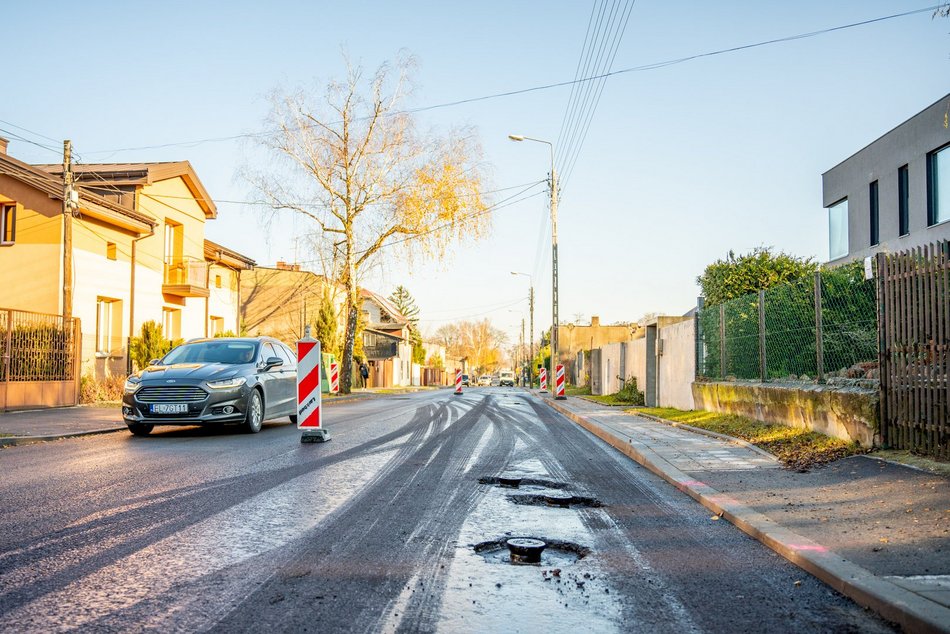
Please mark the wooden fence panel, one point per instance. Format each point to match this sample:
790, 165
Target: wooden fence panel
914, 336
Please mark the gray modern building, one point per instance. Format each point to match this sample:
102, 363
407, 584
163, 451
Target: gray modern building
895, 193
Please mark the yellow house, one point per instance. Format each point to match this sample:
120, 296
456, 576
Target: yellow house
278, 302
139, 254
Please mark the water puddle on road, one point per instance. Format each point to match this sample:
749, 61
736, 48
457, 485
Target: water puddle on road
567, 590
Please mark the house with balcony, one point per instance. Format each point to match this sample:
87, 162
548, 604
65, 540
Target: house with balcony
386, 342
893, 194
147, 261
104, 232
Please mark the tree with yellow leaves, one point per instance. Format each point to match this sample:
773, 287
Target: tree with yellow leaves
375, 181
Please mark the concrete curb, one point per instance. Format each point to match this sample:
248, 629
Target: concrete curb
10, 441
909, 610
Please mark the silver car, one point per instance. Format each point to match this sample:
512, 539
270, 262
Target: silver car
227, 380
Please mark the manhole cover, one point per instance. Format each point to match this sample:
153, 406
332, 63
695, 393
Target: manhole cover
515, 550
525, 482
525, 550
511, 481
556, 498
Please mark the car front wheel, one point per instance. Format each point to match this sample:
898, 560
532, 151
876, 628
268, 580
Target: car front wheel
140, 429
255, 413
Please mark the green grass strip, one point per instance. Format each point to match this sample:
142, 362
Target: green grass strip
795, 447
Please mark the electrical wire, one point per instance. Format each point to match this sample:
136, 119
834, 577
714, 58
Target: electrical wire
521, 91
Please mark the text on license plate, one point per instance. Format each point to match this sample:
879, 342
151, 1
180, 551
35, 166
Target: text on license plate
169, 408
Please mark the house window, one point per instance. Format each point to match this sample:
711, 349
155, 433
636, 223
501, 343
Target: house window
171, 323
108, 325
838, 230
215, 326
7, 224
903, 201
938, 186
174, 243
110, 250
217, 281
874, 214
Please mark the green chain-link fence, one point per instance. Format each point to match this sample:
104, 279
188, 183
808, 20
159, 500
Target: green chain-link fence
777, 334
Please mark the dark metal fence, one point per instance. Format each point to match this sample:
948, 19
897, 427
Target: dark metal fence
819, 326
914, 287
37, 346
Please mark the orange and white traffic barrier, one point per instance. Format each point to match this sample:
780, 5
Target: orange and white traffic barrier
544, 379
334, 378
458, 382
309, 416
559, 382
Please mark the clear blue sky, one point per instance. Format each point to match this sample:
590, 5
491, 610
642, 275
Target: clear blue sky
680, 164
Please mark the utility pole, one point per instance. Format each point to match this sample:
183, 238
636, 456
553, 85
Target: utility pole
521, 348
531, 336
69, 195
552, 376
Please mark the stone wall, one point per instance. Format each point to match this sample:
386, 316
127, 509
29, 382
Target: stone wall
848, 413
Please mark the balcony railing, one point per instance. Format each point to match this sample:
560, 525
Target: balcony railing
186, 277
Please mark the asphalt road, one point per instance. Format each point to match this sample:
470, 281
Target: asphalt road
397, 524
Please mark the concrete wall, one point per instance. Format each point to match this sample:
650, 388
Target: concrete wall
676, 367
609, 369
907, 144
849, 413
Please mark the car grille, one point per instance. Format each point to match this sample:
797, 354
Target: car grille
171, 394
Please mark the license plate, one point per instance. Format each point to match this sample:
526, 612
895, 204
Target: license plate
169, 408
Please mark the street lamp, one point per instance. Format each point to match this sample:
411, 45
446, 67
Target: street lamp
531, 331
553, 184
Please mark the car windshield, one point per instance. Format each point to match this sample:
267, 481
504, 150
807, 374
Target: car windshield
230, 352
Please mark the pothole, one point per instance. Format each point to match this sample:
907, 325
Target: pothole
532, 551
557, 499
522, 482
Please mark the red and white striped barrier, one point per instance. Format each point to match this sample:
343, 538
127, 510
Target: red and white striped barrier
544, 379
559, 382
458, 381
334, 378
308, 390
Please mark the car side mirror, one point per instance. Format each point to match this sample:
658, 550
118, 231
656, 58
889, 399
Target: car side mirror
273, 362
154, 362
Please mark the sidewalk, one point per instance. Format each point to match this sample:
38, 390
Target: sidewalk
875, 531
41, 425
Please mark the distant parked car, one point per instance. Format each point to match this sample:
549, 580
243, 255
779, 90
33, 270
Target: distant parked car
465, 380
484, 380
506, 378
212, 382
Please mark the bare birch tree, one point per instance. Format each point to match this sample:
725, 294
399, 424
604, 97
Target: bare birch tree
375, 181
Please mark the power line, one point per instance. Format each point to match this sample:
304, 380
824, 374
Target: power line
521, 91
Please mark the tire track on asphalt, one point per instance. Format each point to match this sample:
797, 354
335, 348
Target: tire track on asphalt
70, 554
422, 610
383, 536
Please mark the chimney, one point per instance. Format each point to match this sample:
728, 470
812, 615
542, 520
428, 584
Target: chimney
3, 145
595, 321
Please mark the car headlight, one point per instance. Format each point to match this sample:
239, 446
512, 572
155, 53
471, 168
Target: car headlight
227, 384
132, 385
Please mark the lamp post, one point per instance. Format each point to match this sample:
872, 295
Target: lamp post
553, 184
531, 326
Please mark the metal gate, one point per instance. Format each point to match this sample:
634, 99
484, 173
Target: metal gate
914, 349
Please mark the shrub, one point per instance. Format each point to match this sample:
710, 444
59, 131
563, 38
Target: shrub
629, 392
92, 390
